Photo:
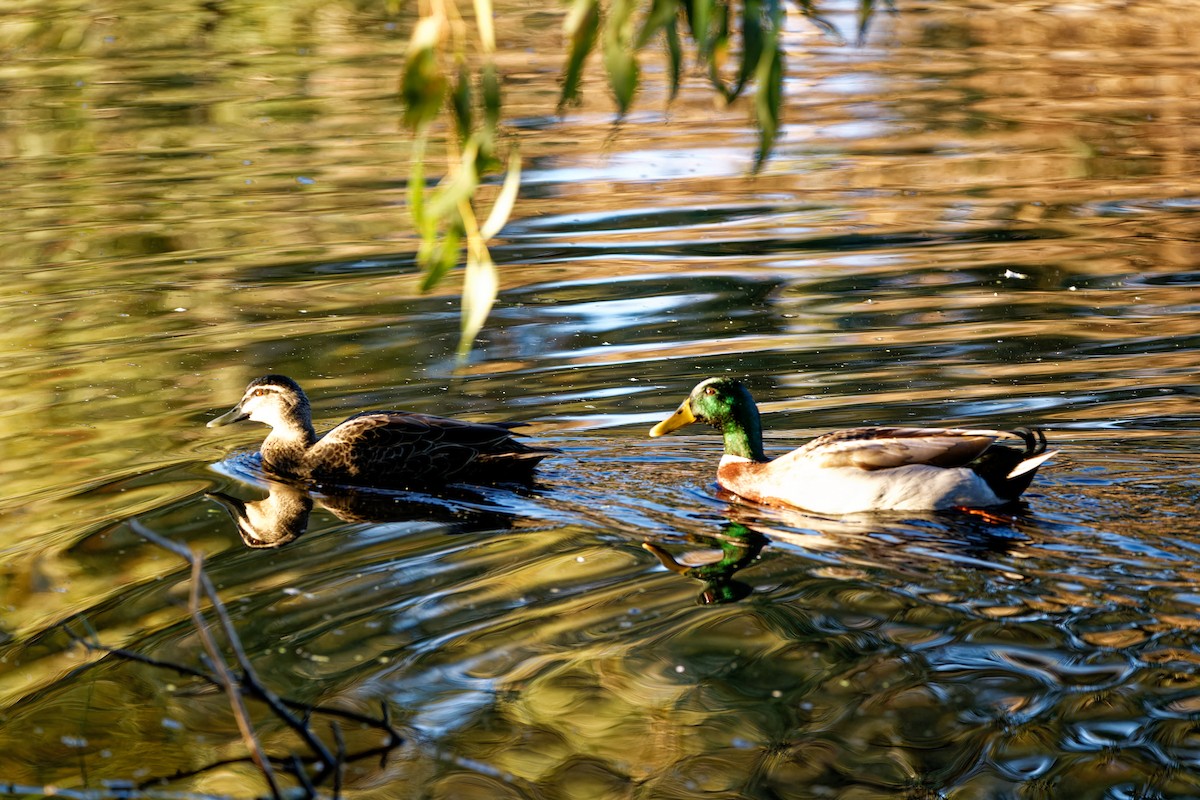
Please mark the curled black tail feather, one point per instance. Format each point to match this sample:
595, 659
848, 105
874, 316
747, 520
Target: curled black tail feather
1005, 469
1034, 438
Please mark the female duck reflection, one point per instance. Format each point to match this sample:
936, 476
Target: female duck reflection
283, 514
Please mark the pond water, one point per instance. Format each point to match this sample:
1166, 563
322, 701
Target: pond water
986, 215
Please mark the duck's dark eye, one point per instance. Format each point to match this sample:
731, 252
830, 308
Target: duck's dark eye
710, 390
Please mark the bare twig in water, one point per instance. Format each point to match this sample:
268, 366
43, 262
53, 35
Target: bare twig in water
239, 683
226, 679
383, 721
117, 791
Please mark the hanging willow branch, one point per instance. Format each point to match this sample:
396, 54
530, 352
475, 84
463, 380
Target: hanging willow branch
737, 43
446, 217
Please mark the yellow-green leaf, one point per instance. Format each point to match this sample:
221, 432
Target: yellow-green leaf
416, 187
460, 188
484, 22
620, 61
480, 287
718, 54
505, 200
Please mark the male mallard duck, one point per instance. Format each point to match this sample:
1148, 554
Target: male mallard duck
379, 448
861, 469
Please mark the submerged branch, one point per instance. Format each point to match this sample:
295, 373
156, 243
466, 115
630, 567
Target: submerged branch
239, 683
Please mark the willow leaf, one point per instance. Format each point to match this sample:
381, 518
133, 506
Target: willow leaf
442, 258
505, 200
866, 10
480, 287
752, 43
460, 102
490, 85
808, 8
460, 188
416, 189
699, 16
675, 59
768, 101
422, 84
580, 27
485, 24
718, 50
662, 13
620, 61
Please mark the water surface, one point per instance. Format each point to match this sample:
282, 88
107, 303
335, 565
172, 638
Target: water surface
981, 216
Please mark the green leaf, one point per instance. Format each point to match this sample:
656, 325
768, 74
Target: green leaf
505, 200
416, 187
768, 102
461, 187
675, 56
699, 15
422, 85
490, 85
718, 51
619, 58
461, 101
662, 13
866, 10
480, 287
752, 43
442, 258
580, 27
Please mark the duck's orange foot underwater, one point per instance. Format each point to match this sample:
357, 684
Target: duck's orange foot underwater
988, 516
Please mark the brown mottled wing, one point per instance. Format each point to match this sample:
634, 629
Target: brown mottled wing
398, 446
882, 448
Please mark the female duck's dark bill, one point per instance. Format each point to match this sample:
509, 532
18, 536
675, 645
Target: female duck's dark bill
233, 415
682, 416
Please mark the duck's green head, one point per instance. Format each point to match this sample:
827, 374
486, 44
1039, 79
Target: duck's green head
725, 404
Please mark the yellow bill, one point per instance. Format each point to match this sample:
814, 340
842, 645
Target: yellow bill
682, 416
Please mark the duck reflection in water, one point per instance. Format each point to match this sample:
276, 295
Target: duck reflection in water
725, 553
750, 528
283, 515
273, 521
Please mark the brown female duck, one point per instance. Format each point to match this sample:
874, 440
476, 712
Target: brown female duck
379, 448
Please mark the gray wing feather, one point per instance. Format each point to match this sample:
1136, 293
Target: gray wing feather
883, 448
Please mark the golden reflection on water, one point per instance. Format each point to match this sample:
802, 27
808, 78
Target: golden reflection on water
983, 217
